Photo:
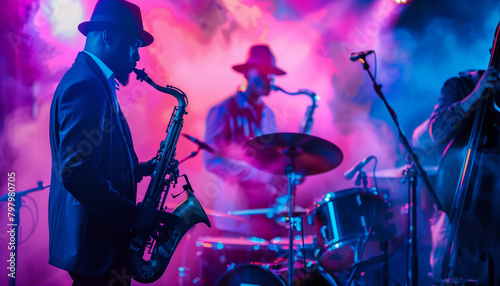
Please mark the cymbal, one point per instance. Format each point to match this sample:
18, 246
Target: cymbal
396, 173
310, 155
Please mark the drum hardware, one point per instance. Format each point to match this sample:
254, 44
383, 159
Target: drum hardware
349, 174
416, 167
400, 172
270, 212
348, 222
295, 154
218, 254
275, 275
303, 245
456, 282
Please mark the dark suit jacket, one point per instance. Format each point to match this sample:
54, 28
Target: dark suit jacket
93, 186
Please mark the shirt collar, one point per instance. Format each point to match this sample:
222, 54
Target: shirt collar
108, 73
243, 102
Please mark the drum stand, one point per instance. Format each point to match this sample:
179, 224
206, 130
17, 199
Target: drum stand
293, 152
379, 259
375, 260
290, 173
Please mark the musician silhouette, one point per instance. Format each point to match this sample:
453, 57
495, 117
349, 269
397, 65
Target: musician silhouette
94, 167
477, 240
229, 125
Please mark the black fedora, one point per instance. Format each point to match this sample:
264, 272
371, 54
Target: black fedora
260, 57
117, 13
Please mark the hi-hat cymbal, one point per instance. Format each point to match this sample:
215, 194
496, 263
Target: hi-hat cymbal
310, 155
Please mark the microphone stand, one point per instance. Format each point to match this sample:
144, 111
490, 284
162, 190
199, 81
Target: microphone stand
16, 223
362, 177
417, 168
193, 154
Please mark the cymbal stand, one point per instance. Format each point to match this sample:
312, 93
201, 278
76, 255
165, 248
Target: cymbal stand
290, 173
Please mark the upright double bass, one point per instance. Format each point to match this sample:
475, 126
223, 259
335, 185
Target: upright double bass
468, 185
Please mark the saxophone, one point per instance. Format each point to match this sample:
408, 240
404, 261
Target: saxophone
161, 243
307, 121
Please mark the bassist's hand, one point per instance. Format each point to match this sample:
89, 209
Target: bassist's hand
487, 85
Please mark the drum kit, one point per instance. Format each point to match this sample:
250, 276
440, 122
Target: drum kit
346, 223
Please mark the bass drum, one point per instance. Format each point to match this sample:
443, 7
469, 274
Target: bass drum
249, 274
252, 274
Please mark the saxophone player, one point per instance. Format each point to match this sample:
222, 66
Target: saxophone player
229, 125
94, 166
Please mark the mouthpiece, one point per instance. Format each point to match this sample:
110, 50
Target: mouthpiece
276, 88
142, 75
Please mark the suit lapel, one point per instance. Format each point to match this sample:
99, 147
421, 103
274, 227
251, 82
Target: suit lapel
117, 116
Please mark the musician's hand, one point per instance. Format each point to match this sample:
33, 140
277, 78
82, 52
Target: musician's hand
280, 184
147, 219
487, 85
149, 166
145, 169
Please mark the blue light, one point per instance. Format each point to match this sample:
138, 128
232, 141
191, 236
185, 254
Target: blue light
257, 239
220, 245
331, 211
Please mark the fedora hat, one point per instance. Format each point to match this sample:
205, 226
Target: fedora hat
260, 57
117, 13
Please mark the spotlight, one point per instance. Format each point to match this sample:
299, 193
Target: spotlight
401, 1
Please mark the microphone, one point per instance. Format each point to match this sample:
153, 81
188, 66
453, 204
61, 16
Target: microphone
200, 144
350, 173
357, 56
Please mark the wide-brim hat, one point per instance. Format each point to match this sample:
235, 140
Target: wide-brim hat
117, 13
260, 57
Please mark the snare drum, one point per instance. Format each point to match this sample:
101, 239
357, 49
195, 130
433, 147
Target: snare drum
341, 219
281, 246
216, 254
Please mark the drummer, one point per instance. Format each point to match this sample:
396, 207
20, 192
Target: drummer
229, 125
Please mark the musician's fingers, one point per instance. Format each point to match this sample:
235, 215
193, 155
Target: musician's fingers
492, 80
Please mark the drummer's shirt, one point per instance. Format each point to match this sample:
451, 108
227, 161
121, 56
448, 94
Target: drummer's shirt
230, 124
